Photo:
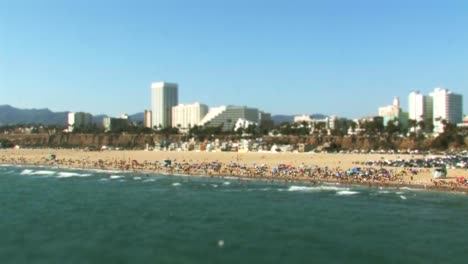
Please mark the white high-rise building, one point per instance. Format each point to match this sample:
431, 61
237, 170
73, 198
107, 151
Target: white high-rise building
79, 120
420, 107
447, 106
164, 96
186, 116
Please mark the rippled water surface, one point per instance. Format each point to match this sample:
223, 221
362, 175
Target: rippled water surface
52, 215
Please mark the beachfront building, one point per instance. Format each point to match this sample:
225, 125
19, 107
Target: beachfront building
148, 119
447, 106
228, 116
394, 113
302, 118
265, 120
328, 123
332, 122
465, 122
115, 124
164, 96
79, 120
420, 108
185, 116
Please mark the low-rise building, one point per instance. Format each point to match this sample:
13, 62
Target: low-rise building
148, 119
394, 113
227, 117
115, 124
185, 116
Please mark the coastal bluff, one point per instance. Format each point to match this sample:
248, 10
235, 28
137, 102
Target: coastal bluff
139, 141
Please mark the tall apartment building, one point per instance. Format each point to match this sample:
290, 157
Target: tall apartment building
185, 116
448, 106
420, 107
164, 96
79, 120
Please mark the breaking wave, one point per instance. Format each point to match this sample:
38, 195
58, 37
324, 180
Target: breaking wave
315, 188
71, 174
39, 172
346, 192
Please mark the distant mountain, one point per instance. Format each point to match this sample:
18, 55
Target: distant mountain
11, 116
138, 117
278, 119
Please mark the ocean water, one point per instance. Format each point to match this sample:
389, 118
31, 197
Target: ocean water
53, 215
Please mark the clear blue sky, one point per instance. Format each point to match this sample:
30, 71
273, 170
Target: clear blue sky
286, 57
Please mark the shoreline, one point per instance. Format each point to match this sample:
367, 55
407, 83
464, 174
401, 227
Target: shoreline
270, 179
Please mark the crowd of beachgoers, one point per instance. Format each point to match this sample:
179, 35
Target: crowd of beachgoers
377, 173
449, 161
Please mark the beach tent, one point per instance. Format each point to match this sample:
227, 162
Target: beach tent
439, 172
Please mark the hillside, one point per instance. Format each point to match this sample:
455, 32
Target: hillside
11, 116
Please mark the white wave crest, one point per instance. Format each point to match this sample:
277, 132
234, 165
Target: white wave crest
116, 176
26, 172
137, 178
107, 171
346, 193
315, 188
71, 174
43, 172
409, 189
384, 192
403, 197
176, 184
40, 172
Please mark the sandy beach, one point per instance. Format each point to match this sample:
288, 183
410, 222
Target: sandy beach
90, 159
